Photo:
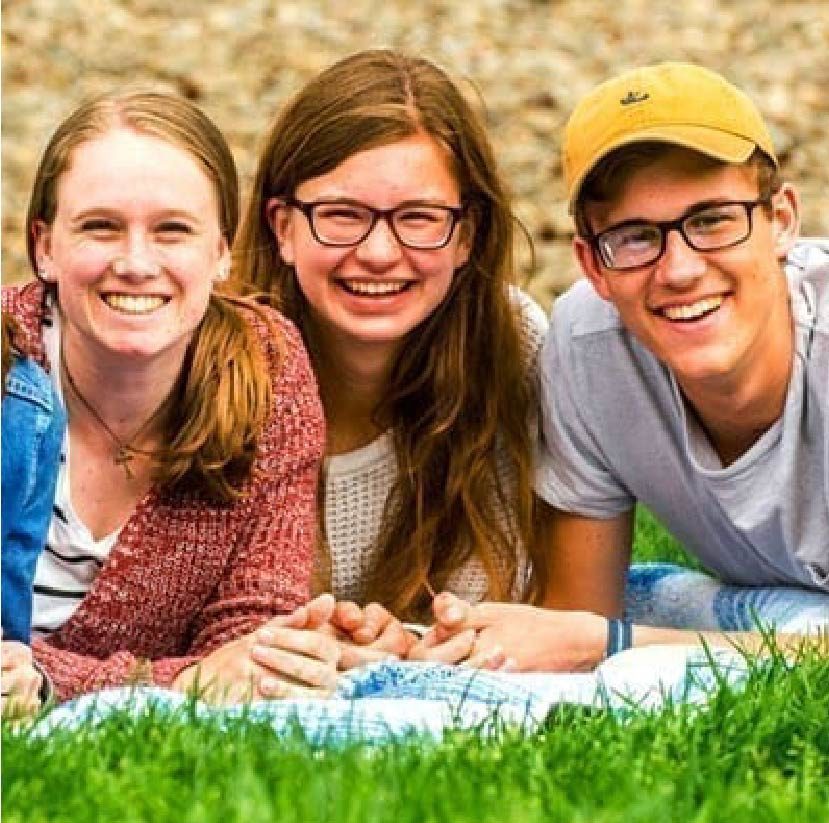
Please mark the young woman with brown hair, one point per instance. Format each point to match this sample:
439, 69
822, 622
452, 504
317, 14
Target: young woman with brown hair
379, 224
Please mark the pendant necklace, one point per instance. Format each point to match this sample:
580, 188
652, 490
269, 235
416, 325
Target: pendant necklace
125, 450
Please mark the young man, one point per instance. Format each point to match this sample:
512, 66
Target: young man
688, 371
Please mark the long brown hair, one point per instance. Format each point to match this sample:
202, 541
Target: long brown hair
222, 399
459, 392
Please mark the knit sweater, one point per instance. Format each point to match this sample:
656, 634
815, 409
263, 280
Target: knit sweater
357, 485
187, 575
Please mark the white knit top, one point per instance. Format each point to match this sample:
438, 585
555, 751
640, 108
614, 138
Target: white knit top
357, 484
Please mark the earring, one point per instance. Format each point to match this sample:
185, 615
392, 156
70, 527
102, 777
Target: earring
222, 274
40, 273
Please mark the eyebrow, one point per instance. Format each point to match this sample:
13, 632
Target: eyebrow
163, 214
701, 205
422, 201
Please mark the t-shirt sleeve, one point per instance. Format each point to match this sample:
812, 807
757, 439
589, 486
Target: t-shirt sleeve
572, 470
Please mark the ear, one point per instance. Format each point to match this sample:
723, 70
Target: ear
590, 266
280, 218
42, 234
785, 220
223, 261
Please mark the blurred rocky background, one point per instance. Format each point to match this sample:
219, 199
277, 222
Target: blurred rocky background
527, 61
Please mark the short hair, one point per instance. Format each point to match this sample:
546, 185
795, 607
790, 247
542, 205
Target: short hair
610, 175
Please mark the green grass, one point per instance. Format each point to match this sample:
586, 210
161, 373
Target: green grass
754, 756
652, 542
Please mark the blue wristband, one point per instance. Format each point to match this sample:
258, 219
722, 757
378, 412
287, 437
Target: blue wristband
619, 635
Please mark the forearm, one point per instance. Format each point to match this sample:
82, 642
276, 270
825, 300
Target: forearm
750, 642
73, 674
591, 642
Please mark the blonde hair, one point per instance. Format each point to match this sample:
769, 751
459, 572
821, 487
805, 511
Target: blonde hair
222, 399
459, 393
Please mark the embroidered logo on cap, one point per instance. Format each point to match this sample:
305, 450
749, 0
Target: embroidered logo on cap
634, 97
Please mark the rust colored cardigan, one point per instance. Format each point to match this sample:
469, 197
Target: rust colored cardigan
187, 575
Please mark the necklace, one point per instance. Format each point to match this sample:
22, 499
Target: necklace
125, 452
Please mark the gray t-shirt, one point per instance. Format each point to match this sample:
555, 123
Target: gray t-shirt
617, 430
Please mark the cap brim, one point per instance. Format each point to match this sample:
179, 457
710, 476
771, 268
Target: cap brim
721, 145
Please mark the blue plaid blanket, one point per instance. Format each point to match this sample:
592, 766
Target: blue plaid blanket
393, 700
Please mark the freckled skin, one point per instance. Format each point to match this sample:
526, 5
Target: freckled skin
135, 215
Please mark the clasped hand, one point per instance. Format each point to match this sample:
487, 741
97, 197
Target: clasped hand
298, 654
512, 637
495, 636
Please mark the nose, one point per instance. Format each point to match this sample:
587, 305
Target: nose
680, 264
138, 260
380, 248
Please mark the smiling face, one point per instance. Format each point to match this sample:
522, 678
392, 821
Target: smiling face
134, 246
714, 318
374, 293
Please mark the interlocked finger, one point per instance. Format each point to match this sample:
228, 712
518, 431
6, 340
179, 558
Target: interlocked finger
309, 643
348, 616
453, 650
353, 655
375, 621
273, 688
493, 658
297, 668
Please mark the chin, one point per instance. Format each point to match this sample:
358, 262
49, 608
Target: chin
702, 370
380, 333
136, 349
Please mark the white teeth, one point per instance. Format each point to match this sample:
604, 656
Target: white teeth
384, 288
693, 310
134, 303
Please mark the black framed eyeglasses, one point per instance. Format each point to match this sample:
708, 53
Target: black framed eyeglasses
421, 226
707, 227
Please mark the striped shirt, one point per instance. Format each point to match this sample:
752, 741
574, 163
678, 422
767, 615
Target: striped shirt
71, 558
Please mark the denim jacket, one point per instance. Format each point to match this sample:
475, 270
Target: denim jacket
33, 423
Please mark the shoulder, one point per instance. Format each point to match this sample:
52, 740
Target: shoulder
807, 270
296, 400
582, 324
26, 304
29, 382
279, 337
580, 312
532, 320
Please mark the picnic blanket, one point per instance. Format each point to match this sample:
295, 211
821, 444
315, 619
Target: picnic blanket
396, 699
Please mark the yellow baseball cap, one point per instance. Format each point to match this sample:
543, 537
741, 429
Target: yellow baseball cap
677, 103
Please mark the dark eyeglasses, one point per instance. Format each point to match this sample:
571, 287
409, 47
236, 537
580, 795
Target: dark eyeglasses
708, 227
419, 226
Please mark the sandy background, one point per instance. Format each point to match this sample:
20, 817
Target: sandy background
529, 60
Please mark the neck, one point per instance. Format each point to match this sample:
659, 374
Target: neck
353, 382
736, 410
124, 393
